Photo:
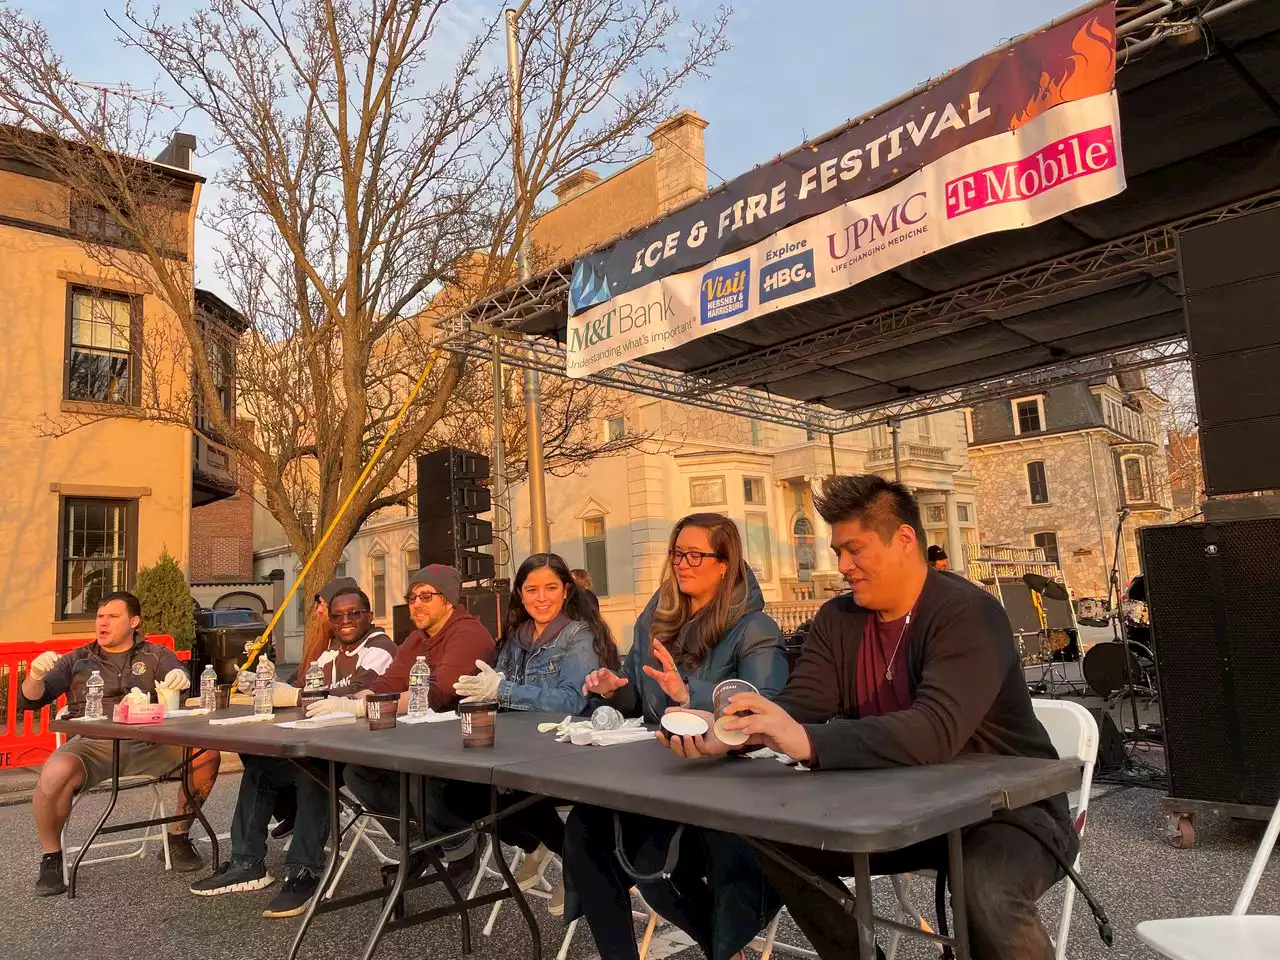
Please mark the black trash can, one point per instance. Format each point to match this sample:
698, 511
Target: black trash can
221, 638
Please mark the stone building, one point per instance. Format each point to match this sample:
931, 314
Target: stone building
1055, 469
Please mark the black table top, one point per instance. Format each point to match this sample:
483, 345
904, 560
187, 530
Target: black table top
264, 739
436, 749
863, 811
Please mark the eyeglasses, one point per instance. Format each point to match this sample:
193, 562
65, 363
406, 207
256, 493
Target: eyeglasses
422, 596
353, 617
692, 558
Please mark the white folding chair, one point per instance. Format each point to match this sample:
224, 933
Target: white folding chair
1239, 935
371, 833
1074, 734
139, 844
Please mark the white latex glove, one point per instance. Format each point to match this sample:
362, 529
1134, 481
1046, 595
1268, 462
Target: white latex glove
284, 694
482, 686
245, 681
318, 708
176, 680
42, 664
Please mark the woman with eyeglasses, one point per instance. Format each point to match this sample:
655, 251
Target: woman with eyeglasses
705, 624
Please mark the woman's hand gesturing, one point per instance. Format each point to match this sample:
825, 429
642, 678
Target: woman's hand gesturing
668, 677
603, 682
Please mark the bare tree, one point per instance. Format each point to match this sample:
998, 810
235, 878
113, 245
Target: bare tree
365, 191
1181, 435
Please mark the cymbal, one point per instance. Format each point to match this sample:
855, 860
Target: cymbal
1041, 584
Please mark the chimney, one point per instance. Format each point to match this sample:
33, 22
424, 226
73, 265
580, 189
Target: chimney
681, 157
180, 152
575, 184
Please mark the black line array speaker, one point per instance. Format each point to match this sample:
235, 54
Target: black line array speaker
1231, 285
486, 604
1215, 624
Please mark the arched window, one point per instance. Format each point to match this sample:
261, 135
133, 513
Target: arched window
803, 545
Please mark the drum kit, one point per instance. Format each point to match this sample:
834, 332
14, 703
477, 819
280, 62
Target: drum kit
1104, 667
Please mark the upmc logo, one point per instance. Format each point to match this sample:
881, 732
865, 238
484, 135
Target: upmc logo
785, 277
724, 291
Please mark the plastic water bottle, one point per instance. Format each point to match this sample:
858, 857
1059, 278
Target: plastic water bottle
209, 688
315, 677
93, 697
419, 688
606, 718
263, 687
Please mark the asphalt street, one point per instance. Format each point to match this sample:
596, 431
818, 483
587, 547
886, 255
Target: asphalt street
133, 909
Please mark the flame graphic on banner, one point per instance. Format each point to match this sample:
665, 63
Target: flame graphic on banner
1091, 70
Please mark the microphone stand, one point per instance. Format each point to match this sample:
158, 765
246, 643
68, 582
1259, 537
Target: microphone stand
1118, 629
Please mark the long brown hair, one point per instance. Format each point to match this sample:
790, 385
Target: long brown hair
576, 607
690, 636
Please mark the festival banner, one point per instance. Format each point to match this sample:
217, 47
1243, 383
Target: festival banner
1057, 160
995, 93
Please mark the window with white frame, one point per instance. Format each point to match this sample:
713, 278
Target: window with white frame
411, 562
753, 491
1028, 415
615, 428
936, 513
1037, 482
1133, 472
924, 430
757, 542
595, 555
962, 512
707, 492
378, 581
804, 546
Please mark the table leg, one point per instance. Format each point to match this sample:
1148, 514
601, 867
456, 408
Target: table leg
335, 833
197, 809
863, 906
102, 821
441, 868
402, 873
959, 909
516, 894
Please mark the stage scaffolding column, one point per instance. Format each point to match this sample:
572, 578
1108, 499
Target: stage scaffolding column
895, 429
539, 529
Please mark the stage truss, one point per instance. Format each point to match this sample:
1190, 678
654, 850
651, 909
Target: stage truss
471, 332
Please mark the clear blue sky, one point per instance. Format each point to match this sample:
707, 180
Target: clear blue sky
796, 68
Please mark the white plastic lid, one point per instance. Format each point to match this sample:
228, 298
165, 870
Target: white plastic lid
684, 724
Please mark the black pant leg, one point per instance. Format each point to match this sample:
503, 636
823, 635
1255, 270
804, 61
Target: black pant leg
1006, 872
601, 886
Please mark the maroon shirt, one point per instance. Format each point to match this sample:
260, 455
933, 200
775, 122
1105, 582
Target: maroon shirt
875, 693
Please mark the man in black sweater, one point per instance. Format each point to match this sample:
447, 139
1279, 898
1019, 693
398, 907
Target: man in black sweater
914, 666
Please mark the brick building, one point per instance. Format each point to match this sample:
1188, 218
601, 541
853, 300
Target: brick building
1054, 470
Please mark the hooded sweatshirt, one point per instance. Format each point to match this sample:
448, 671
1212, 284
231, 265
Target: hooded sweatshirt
450, 654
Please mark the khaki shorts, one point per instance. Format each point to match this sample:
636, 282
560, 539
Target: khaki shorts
137, 759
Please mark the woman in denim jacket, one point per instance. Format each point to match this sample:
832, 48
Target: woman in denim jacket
705, 624
552, 641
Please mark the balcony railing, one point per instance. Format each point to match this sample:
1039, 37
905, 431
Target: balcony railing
908, 451
789, 614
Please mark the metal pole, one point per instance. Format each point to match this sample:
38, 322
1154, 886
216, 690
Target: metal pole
539, 530
897, 454
831, 445
498, 476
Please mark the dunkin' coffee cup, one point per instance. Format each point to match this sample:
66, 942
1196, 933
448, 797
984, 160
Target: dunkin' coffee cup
725, 691
478, 722
380, 708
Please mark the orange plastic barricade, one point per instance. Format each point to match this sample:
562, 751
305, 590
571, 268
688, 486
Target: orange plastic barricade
26, 740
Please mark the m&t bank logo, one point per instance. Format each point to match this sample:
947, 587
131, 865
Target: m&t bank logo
724, 291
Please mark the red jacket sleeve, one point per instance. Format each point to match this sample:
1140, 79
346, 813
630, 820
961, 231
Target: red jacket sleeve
472, 643
395, 679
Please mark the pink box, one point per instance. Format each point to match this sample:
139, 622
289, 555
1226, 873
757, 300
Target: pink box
150, 713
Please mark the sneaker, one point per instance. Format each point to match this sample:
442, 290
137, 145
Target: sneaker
294, 896
529, 875
50, 882
282, 829
555, 906
233, 878
182, 854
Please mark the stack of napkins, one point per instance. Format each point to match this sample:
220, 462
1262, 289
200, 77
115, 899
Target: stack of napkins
584, 733
247, 718
430, 717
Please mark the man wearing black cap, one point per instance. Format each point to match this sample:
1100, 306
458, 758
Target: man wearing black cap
938, 558
453, 641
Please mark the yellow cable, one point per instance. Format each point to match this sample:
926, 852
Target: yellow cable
255, 648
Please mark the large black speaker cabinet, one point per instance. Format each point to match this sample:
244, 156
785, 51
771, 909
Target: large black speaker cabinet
1231, 284
1215, 624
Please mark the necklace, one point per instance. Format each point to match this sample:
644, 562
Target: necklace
906, 625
